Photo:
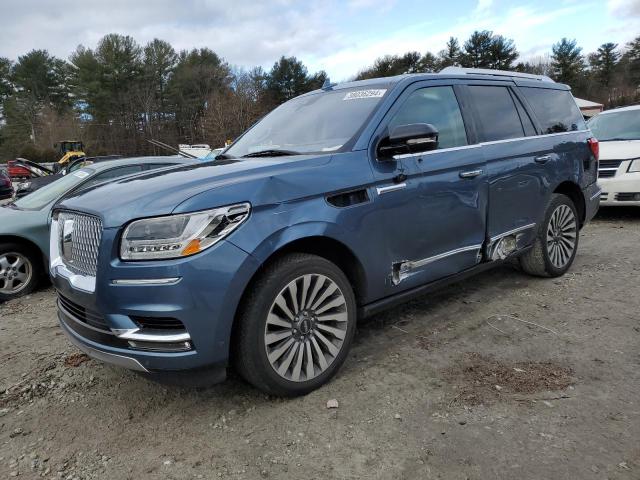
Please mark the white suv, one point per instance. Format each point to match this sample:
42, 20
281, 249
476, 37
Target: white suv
618, 132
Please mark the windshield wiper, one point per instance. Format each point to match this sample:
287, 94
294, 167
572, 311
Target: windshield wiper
271, 153
223, 156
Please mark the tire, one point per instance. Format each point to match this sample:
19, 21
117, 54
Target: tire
20, 270
556, 243
282, 347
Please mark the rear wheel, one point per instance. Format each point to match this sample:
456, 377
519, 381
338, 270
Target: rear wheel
296, 326
556, 243
19, 271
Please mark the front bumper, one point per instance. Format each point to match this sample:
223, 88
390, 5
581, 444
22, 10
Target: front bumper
621, 190
203, 300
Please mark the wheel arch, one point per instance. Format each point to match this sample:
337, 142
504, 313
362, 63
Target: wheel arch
24, 241
574, 192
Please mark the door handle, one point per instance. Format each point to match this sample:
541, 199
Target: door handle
470, 174
542, 159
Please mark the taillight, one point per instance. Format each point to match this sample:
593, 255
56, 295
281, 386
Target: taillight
594, 146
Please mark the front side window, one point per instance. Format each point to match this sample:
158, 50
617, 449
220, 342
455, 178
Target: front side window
113, 174
556, 110
499, 119
439, 107
317, 123
616, 126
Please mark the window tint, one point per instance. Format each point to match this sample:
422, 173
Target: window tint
499, 118
556, 110
113, 174
439, 107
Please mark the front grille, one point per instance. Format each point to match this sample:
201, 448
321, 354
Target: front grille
80, 253
604, 196
82, 314
628, 197
608, 168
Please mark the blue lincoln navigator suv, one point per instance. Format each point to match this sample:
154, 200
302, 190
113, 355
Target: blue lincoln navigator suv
336, 205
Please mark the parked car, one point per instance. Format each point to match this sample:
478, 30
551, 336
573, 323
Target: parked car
24, 224
336, 205
16, 171
6, 187
41, 176
618, 132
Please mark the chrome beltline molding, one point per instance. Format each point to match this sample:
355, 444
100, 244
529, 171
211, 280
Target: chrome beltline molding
478, 145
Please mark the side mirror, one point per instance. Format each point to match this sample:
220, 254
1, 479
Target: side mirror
411, 138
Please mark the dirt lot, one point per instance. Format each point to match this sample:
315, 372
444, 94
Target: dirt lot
501, 376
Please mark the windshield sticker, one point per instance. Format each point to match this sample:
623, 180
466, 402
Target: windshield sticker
81, 174
359, 94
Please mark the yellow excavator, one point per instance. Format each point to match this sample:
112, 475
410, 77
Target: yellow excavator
69, 150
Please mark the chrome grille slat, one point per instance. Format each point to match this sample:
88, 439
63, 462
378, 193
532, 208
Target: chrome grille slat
85, 238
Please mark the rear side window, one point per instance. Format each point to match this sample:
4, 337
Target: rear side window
556, 110
499, 118
439, 107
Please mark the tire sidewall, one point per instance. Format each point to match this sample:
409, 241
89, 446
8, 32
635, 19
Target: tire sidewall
258, 317
556, 201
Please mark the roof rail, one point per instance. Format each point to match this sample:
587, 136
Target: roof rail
494, 73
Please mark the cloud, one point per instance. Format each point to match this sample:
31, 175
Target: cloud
624, 8
243, 31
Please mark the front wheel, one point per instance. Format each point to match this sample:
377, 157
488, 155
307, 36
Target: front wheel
296, 326
556, 242
19, 271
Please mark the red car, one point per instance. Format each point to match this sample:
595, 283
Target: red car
6, 187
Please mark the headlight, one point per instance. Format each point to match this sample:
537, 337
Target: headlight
181, 235
634, 166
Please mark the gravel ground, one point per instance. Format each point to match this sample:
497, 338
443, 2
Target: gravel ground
500, 376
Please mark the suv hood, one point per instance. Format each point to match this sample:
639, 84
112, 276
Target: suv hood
620, 150
164, 191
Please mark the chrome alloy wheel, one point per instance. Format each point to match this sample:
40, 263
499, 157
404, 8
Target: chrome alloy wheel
306, 327
561, 236
15, 272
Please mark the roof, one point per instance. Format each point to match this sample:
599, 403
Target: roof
621, 109
582, 103
524, 79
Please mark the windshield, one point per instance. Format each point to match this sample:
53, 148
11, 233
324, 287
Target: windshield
317, 123
47, 194
616, 126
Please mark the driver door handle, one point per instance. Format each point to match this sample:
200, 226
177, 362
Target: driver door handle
470, 174
542, 159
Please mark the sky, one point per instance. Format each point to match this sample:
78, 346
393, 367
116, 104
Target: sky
340, 37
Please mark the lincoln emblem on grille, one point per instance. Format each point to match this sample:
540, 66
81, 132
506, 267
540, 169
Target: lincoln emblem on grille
67, 240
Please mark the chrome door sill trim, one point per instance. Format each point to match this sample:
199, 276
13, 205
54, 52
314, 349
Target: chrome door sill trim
145, 281
391, 188
401, 270
511, 232
595, 195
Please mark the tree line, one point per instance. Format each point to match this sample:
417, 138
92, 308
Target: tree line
120, 94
